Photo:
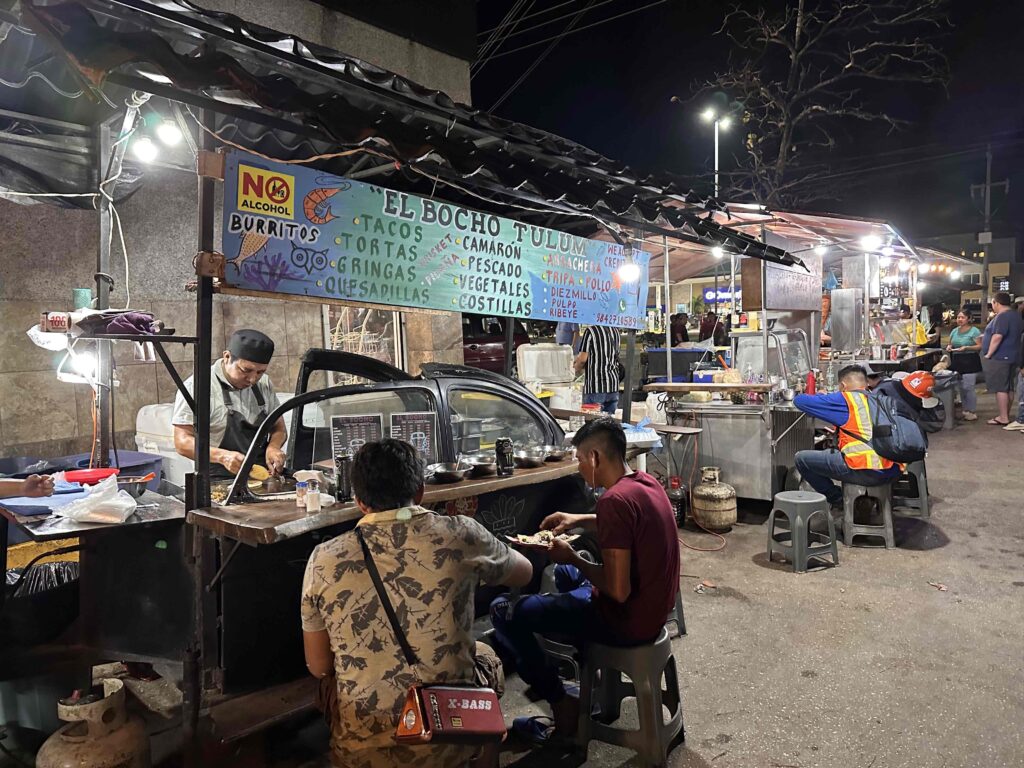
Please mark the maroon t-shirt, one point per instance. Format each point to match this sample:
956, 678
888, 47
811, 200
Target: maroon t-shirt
635, 514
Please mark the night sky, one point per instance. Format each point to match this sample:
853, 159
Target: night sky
609, 88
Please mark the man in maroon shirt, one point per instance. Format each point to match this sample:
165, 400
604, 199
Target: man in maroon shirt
623, 601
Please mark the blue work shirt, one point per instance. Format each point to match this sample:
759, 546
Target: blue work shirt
829, 407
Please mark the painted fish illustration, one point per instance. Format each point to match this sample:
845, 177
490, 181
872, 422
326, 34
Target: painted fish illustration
250, 245
317, 207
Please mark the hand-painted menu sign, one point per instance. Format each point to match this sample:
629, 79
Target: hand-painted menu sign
296, 230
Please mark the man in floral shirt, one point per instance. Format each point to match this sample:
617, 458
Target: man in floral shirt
430, 565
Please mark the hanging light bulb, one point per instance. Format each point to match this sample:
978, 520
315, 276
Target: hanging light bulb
870, 242
84, 363
884, 261
145, 150
820, 249
717, 252
955, 274
904, 265
923, 269
629, 271
169, 133
888, 251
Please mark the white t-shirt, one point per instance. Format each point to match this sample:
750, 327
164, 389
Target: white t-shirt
242, 400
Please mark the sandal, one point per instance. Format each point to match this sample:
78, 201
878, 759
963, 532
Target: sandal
997, 423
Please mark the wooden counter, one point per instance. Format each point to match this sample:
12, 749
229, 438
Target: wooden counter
268, 522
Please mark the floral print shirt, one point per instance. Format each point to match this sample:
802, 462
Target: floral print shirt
430, 565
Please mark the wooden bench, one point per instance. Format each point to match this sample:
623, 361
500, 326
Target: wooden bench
251, 713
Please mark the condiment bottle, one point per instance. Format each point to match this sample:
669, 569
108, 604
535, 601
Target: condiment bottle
313, 497
343, 475
300, 494
811, 388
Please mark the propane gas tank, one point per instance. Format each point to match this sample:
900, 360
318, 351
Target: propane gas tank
98, 734
714, 502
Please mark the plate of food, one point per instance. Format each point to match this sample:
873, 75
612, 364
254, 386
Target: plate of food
541, 538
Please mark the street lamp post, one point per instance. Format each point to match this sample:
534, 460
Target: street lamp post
721, 122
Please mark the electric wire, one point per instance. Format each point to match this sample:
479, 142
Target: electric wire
40, 76
536, 62
580, 29
532, 15
498, 39
525, 30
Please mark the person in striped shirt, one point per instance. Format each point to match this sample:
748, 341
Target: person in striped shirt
598, 361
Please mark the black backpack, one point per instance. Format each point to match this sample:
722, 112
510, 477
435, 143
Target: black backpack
893, 436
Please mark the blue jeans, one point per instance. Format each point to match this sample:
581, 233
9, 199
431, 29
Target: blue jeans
569, 615
820, 468
608, 401
968, 395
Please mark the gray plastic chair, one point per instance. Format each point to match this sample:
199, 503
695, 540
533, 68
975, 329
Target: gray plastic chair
882, 494
800, 543
677, 617
915, 476
646, 666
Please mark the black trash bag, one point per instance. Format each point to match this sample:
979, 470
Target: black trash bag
39, 603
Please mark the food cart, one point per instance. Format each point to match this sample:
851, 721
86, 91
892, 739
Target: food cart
749, 429
217, 600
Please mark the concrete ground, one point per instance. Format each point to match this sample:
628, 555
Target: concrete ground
866, 665
862, 666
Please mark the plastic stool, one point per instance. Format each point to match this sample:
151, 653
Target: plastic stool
645, 666
916, 475
945, 396
797, 544
883, 495
677, 617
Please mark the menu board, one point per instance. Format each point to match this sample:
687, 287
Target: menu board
350, 433
419, 429
301, 231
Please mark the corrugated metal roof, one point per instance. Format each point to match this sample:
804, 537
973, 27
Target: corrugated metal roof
289, 98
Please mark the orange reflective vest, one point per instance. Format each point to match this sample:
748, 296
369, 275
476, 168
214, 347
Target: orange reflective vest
857, 452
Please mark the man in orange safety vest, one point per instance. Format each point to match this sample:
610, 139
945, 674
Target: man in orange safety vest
855, 461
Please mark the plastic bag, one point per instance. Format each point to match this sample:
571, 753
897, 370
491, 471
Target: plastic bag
105, 503
656, 402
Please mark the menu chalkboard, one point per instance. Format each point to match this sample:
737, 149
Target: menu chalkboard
349, 433
419, 429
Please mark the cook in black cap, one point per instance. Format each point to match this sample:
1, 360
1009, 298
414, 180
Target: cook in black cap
241, 396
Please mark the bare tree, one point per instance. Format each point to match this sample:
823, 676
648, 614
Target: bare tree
799, 77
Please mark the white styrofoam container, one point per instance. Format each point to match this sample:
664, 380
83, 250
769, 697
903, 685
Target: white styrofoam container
546, 363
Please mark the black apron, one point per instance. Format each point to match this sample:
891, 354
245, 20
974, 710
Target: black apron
239, 433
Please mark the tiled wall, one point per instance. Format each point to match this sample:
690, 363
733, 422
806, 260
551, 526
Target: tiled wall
48, 251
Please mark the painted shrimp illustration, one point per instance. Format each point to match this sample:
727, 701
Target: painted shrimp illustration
317, 206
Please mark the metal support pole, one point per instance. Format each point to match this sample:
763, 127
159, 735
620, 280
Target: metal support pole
198, 491
627, 383
111, 155
668, 323
986, 281
716, 157
510, 350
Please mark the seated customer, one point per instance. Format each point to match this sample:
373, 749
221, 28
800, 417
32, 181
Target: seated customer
855, 461
911, 392
625, 601
431, 565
